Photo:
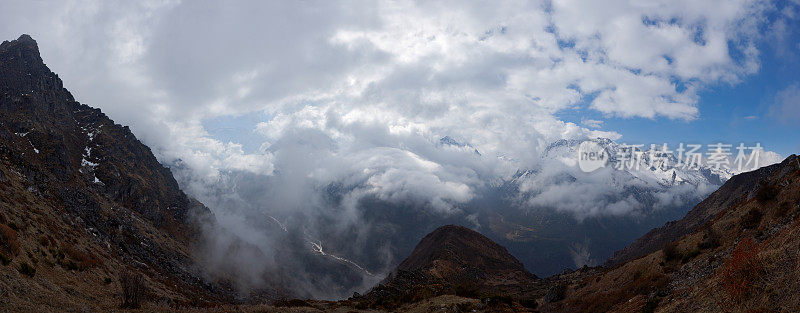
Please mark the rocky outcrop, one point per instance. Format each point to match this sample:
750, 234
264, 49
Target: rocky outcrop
74, 144
455, 253
92, 183
453, 260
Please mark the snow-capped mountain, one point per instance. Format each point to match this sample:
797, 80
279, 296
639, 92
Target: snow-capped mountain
554, 215
654, 165
448, 141
551, 216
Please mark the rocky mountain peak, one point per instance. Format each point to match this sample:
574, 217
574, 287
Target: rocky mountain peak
21, 55
451, 249
88, 191
23, 74
23, 44
79, 146
452, 260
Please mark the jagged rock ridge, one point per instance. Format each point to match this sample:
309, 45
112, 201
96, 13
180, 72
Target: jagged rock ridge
73, 180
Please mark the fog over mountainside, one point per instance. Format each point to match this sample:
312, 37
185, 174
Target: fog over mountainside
552, 217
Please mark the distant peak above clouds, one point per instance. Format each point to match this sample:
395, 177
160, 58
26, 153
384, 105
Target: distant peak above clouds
447, 141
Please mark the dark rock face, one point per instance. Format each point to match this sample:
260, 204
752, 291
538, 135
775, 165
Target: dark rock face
24, 71
63, 141
95, 173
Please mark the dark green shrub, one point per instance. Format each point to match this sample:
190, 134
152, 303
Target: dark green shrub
290, 303
783, 209
555, 293
690, 255
361, 305
467, 290
26, 269
766, 193
495, 300
9, 242
133, 290
671, 252
751, 219
650, 282
530, 303
710, 239
68, 264
4, 259
651, 305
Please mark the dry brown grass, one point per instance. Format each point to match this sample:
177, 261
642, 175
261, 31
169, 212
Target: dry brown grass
628, 285
83, 260
133, 288
741, 270
9, 242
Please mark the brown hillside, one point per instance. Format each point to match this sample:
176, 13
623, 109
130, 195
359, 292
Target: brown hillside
735, 190
455, 251
744, 258
453, 260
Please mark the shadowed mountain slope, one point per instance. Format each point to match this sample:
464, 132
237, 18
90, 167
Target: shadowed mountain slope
82, 201
452, 260
455, 253
739, 188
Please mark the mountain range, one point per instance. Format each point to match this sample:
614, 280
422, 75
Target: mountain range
91, 221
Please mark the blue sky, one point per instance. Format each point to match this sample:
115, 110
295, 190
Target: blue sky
729, 113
